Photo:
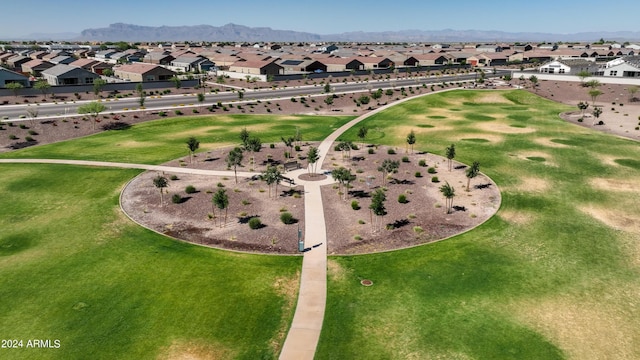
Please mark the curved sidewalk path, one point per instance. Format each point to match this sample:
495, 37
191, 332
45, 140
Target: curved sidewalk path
303, 336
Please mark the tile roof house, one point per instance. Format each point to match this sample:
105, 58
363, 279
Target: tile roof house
62, 74
158, 57
141, 72
36, 66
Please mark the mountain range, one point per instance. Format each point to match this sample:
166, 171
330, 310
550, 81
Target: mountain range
241, 33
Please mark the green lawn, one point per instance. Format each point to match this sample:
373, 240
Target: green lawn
163, 140
554, 275
73, 268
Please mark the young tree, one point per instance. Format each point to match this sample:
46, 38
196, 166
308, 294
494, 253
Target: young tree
583, 105
244, 136
597, 111
93, 109
345, 148
15, 87
377, 208
32, 113
534, 82
234, 159
327, 88
388, 166
508, 78
221, 201
288, 142
450, 151
271, 176
201, 98
593, 84
449, 193
176, 81
583, 75
312, 158
298, 136
240, 95
411, 139
338, 175
376, 95
98, 85
594, 93
472, 172
107, 72
329, 100
192, 144
362, 134
633, 89
141, 94
160, 182
43, 86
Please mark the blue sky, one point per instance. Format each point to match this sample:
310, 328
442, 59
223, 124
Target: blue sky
326, 17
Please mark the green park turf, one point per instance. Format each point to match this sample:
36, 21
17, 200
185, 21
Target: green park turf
544, 279
553, 275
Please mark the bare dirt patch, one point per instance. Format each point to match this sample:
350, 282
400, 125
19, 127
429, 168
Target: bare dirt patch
611, 217
503, 128
550, 143
421, 219
181, 350
630, 185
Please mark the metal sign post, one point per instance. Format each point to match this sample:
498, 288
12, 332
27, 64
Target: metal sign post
300, 242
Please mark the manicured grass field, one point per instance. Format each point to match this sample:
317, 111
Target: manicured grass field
554, 275
73, 268
162, 140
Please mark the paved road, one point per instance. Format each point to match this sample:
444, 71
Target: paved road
50, 110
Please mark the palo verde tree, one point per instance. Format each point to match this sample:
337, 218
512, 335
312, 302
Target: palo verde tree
98, 85
15, 87
234, 159
593, 84
449, 193
583, 75
329, 100
345, 148
378, 209
633, 89
534, 82
176, 81
32, 113
253, 145
472, 172
411, 139
344, 177
594, 93
327, 88
450, 152
160, 182
221, 201
92, 109
192, 144
43, 86
388, 166
313, 156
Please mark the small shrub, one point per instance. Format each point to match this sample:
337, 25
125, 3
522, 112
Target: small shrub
432, 170
371, 151
287, 218
29, 139
361, 222
255, 223
391, 151
355, 205
220, 185
178, 112
190, 189
402, 199
13, 137
297, 147
173, 177
422, 162
411, 216
357, 237
405, 159
23, 126
418, 174
176, 199
162, 113
417, 229
435, 179
272, 146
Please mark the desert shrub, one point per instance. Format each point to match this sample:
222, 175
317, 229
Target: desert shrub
405, 159
371, 151
23, 126
220, 185
190, 189
391, 151
432, 170
361, 222
178, 112
116, 125
422, 162
357, 237
355, 205
435, 179
29, 139
162, 113
417, 229
176, 199
173, 177
402, 199
255, 223
297, 147
13, 137
287, 218
272, 146
418, 174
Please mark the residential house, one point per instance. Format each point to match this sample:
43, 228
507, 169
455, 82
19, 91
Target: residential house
8, 76
569, 67
265, 67
36, 67
430, 59
104, 55
141, 72
62, 59
158, 58
62, 74
372, 63
191, 64
293, 66
15, 62
336, 64
623, 67
488, 48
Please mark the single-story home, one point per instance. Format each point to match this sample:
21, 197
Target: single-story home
141, 72
158, 57
62, 74
336, 64
8, 76
569, 66
266, 67
191, 63
36, 67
